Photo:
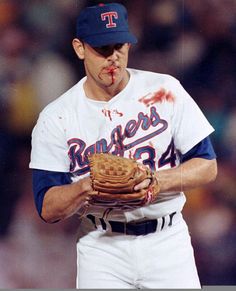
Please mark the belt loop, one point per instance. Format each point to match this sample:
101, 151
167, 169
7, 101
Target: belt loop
159, 223
92, 218
163, 222
171, 218
103, 223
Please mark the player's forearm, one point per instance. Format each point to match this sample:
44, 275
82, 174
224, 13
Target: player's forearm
193, 173
61, 202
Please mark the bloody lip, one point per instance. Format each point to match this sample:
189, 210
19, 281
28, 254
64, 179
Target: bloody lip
111, 70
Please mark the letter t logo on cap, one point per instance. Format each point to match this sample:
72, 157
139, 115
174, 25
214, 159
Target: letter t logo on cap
110, 16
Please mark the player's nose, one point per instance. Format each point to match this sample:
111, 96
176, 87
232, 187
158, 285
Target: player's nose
113, 55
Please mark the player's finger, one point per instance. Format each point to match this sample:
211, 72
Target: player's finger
144, 184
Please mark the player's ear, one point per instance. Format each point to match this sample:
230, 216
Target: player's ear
78, 48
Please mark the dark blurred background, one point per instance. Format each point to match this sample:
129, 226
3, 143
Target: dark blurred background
190, 39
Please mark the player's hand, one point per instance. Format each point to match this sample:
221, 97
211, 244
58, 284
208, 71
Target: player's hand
87, 185
143, 185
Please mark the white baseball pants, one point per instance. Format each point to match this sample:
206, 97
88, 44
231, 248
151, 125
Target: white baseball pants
163, 259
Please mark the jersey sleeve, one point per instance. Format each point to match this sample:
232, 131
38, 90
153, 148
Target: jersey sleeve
203, 149
49, 147
189, 125
44, 180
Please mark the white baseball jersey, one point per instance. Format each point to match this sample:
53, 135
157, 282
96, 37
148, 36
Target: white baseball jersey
151, 120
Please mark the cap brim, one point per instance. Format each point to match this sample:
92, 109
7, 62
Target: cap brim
110, 38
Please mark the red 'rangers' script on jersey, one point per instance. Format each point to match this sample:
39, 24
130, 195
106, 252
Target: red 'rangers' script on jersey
119, 140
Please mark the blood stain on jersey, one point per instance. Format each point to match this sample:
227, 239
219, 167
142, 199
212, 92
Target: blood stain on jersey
110, 113
157, 97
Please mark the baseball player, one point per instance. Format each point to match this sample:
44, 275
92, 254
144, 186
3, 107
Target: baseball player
130, 113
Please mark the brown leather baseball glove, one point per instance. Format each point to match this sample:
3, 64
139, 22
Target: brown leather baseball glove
113, 180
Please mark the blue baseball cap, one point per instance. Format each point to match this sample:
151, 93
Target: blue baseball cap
104, 24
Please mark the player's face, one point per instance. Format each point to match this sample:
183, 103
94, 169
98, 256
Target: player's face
106, 65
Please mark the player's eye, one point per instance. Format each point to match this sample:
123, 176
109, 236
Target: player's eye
118, 46
108, 50
105, 50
